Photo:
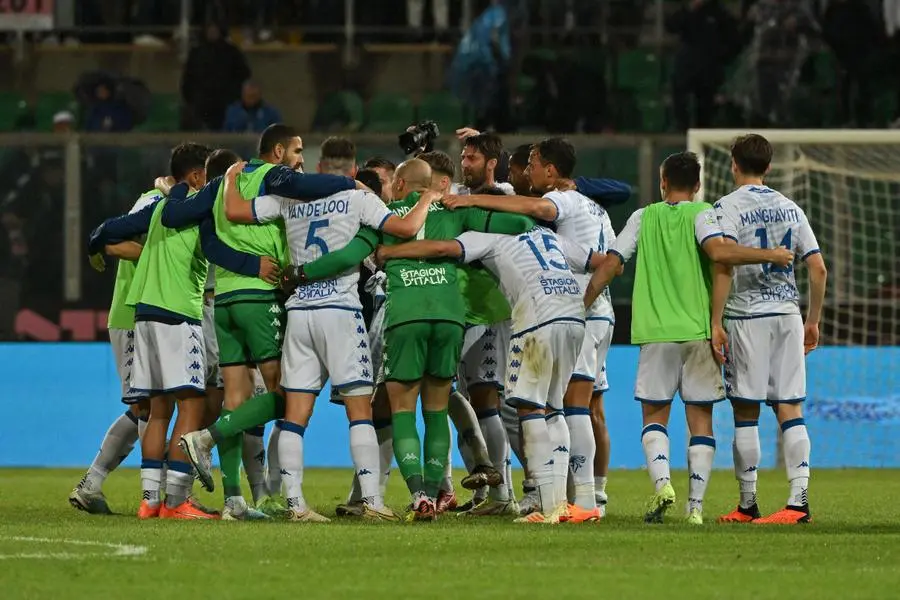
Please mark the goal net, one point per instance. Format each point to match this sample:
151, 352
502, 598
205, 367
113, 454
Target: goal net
848, 183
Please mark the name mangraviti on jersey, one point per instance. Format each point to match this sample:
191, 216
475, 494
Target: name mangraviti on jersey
770, 215
317, 289
305, 210
560, 285
427, 276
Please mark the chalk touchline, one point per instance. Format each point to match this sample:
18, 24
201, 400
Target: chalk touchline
121, 550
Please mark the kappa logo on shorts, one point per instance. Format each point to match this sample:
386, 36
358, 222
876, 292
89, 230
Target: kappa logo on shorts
489, 374
513, 378
194, 336
129, 362
195, 380
277, 335
516, 349
364, 359
194, 350
489, 361
195, 365
275, 309
361, 330
130, 334
357, 316
515, 364
489, 347
129, 349
367, 374
363, 344
275, 323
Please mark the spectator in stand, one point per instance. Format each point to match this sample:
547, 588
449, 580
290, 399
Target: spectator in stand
212, 79
107, 113
63, 122
850, 28
251, 113
440, 11
707, 32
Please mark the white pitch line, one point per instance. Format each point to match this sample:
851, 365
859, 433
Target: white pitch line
121, 550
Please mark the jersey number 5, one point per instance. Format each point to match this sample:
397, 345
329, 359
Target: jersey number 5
312, 239
764, 243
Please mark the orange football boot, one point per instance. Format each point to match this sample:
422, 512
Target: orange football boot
741, 515
789, 515
148, 511
188, 510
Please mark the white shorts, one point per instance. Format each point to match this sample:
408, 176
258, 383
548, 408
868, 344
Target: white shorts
480, 364
213, 373
327, 342
541, 363
168, 358
766, 362
376, 339
684, 367
591, 365
122, 342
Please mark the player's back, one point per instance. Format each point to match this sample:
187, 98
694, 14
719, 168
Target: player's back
760, 217
586, 223
533, 274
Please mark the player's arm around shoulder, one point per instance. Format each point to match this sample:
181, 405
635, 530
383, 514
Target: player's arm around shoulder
418, 250
282, 181
537, 208
237, 209
409, 224
183, 211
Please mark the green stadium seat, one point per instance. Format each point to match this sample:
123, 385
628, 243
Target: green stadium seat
164, 115
341, 111
639, 70
11, 106
390, 113
653, 115
445, 109
50, 103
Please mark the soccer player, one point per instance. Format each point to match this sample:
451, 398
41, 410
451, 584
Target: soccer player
317, 312
766, 337
169, 354
385, 170
547, 332
671, 304
423, 332
249, 313
124, 431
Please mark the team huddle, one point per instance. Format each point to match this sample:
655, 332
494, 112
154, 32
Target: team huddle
238, 297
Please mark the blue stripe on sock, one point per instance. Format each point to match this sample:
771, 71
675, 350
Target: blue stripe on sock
382, 423
746, 423
576, 410
531, 417
702, 440
792, 423
487, 414
131, 416
151, 464
553, 413
177, 465
288, 426
655, 427
256, 431
361, 422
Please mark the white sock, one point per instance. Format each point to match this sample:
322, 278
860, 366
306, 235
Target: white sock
701, 452
467, 424
600, 488
655, 440
385, 434
507, 477
513, 431
364, 451
559, 438
469, 461
273, 465
116, 445
498, 449
539, 450
795, 438
179, 479
254, 461
151, 480
290, 450
746, 452
142, 426
581, 458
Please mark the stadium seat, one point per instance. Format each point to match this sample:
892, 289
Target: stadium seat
653, 115
340, 111
390, 113
443, 108
50, 103
11, 105
164, 115
639, 70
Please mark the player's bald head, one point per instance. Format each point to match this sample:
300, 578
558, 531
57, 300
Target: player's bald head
413, 175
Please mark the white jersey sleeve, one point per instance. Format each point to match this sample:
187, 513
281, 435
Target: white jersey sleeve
625, 245
267, 208
807, 244
476, 245
727, 217
578, 256
373, 212
706, 226
564, 203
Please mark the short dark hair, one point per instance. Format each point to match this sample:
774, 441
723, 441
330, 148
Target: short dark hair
559, 153
338, 147
488, 144
489, 190
520, 156
439, 162
752, 154
274, 135
186, 157
379, 162
219, 161
370, 178
681, 171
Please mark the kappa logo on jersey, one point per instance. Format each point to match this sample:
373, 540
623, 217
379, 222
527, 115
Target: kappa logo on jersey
195, 365
489, 347
275, 323
130, 334
361, 330
409, 457
364, 359
363, 345
194, 350
129, 362
195, 380
277, 335
275, 309
576, 462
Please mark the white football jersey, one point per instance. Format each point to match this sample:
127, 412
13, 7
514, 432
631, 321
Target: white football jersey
316, 228
586, 223
760, 217
533, 274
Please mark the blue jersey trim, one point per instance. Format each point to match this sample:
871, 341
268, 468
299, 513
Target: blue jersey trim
253, 210
302, 391
702, 402
331, 306
462, 248
587, 264
810, 253
648, 401
172, 390
517, 402
550, 322
730, 237
617, 253
147, 312
352, 383
609, 320
579, 377
384, 220
710, 236
760, 316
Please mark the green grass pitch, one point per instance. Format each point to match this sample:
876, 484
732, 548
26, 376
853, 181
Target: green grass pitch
851, 550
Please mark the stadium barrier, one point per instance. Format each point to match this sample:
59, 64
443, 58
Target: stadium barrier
58, 399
